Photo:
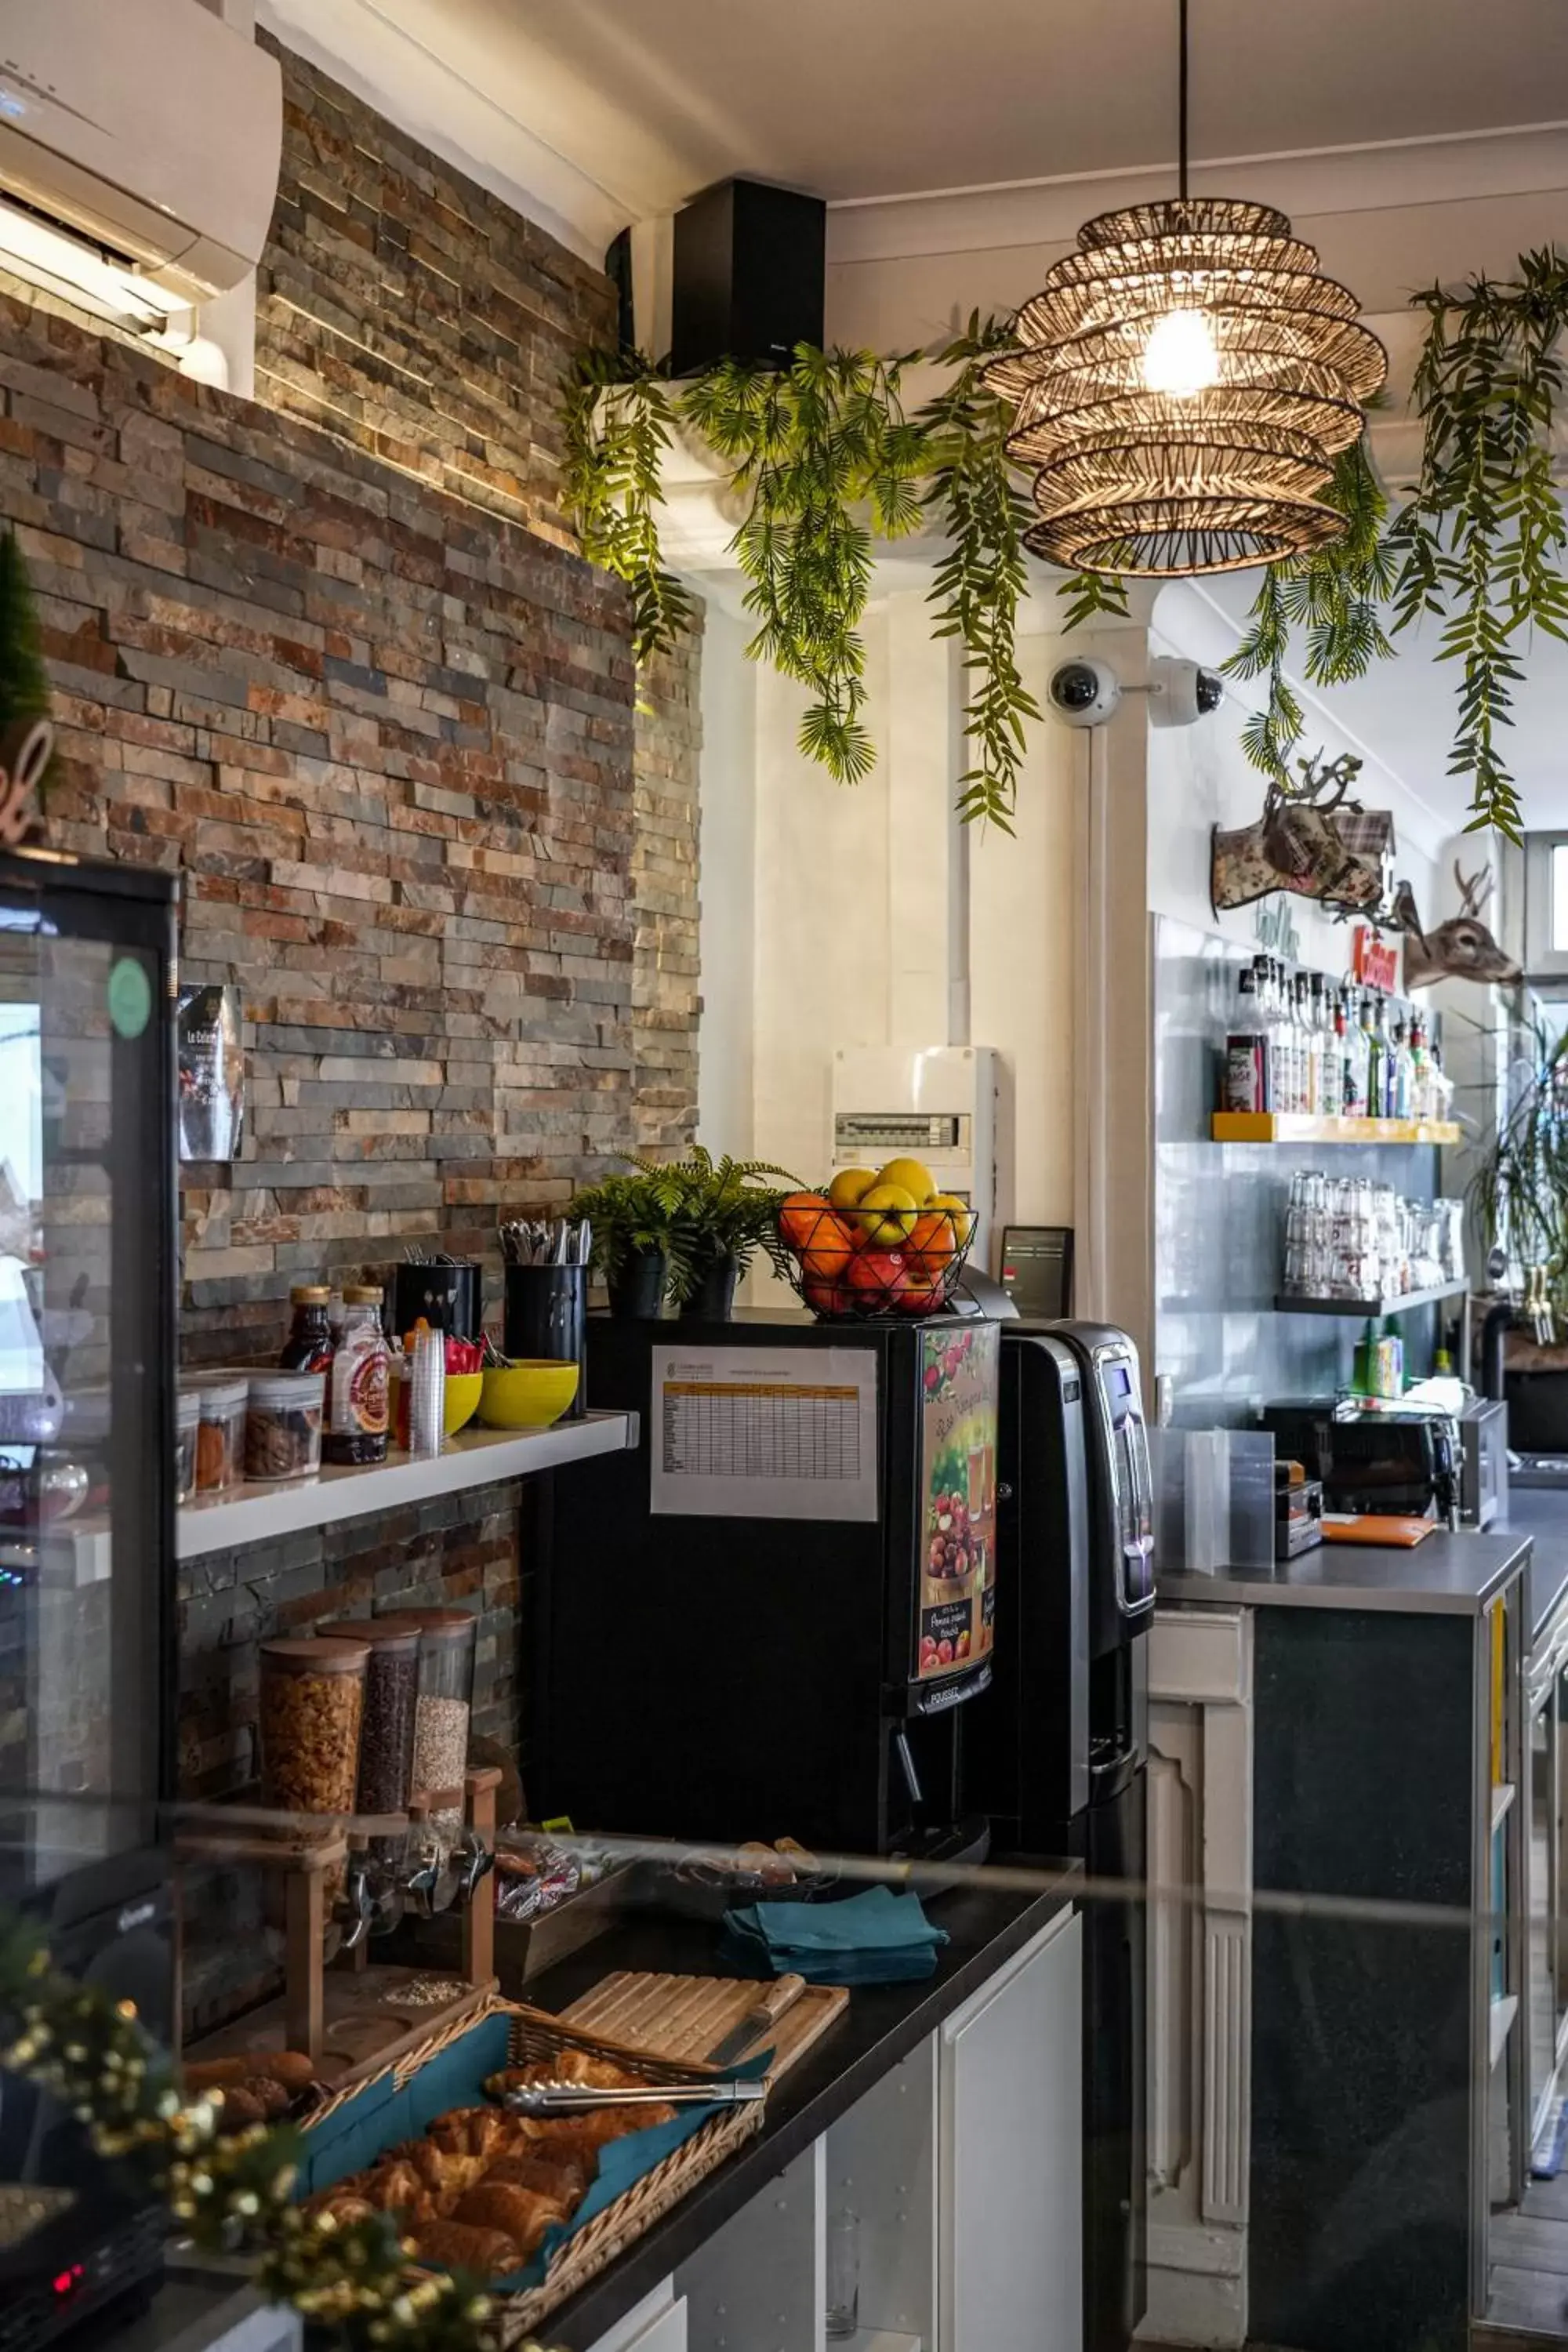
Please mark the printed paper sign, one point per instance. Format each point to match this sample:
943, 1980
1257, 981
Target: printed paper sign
764, 1433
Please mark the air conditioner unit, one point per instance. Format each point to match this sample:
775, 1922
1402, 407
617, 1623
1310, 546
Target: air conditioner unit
140, 142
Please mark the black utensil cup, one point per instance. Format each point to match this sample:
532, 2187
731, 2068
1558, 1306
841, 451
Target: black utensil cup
447, 1298
547, 1315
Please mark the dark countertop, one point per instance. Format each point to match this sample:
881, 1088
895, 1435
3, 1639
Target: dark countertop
987, 1924
1452, 1575
1542, 1514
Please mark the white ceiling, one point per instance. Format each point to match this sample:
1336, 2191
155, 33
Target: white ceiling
858, 98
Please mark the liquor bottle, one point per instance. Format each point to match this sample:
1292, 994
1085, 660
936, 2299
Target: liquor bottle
1307, 1060
1377, 1064
1281, 1063
1402, 1090
1246, 1050
1329, 1091
1356, 1055
1339, 1057
1386, 1103
1421, 1105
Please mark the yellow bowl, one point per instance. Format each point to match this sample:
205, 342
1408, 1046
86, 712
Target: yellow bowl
463, 1391
527, 1395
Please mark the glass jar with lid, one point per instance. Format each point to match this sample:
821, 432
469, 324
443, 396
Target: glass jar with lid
188, 1424
391, 1692
446, 1644
312, 1712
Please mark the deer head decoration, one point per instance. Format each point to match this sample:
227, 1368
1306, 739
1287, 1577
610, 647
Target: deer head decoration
1309, 840
1460, 948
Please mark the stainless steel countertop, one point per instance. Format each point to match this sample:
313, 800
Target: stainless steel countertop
1452, 1575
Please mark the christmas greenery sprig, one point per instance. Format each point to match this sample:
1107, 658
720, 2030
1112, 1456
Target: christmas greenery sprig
230, 2195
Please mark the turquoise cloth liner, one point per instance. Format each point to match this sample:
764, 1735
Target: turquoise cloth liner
874, 1938
378, 2117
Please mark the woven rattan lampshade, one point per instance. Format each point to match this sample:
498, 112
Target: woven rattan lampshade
1133, 480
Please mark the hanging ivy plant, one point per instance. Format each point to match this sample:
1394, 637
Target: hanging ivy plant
1479, 543
825, 460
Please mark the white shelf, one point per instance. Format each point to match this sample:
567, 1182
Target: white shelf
476, 1457
63, 1555
1503, 2013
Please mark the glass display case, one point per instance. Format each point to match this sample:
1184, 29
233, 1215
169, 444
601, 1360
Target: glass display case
89, 1275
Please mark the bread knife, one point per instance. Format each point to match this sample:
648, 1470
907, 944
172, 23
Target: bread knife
760, 2019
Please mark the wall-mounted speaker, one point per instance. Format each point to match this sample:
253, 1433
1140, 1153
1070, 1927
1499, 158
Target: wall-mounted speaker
749, 275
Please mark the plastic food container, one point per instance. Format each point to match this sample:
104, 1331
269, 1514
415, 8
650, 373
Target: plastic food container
188, 1424
283, 1424
446, 1641
220, 1436
313, 1709
391, 1692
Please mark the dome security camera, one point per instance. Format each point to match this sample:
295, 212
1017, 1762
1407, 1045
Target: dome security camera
1180, 692
1084, 693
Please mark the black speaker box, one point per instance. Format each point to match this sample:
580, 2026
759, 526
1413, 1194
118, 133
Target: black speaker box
750, 267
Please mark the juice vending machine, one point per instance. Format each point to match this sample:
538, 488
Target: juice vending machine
771, 1619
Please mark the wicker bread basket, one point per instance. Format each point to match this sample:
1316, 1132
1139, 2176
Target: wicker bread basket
535, 2036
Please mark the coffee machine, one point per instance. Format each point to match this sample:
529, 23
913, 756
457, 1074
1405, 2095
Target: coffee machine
1058, 1760
776, 1614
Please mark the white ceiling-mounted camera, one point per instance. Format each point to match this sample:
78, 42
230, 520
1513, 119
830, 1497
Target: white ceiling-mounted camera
1084, 693
1181, 692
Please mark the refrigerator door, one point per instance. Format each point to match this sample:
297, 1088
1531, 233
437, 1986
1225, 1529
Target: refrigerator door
87, 1349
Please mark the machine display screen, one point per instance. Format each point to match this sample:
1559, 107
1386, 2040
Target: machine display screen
959, 1377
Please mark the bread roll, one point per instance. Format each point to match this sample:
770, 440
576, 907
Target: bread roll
216, 2073
485, 2254
292, 2068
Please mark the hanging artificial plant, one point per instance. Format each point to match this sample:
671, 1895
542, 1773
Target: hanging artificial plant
1478, 543
823, 457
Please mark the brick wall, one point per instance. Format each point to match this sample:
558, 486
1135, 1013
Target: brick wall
403, 307
321, 656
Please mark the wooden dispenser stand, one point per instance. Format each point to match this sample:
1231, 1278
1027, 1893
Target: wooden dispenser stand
350, 2018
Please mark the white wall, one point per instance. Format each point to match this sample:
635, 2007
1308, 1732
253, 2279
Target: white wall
727, 864
866, 909
1199, 777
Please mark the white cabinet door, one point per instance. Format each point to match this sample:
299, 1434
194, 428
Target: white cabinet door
1011, 2263
657, 2323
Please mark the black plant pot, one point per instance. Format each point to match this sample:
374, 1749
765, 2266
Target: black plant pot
713, 1300
637, 1288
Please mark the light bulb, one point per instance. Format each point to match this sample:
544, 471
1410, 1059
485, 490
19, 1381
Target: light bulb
1180, 356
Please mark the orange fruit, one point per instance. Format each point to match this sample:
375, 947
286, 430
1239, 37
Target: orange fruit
799, 1215
830, 1246
933, 1238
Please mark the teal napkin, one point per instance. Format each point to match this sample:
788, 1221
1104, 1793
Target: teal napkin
874, 1938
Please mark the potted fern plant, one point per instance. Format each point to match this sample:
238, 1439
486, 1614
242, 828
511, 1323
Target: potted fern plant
718, 1214
634, 1245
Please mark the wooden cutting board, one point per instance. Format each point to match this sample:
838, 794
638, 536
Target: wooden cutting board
685, 2017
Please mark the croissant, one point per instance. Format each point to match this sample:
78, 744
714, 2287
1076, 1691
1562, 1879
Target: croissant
442, 2170
341, 2206
396, 2186
522, 2214
564, 2176
488, 2253
473, 2131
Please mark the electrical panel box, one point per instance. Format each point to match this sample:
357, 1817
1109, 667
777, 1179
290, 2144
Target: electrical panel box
938, 1104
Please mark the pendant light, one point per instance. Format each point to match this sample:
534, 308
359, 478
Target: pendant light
1184, 382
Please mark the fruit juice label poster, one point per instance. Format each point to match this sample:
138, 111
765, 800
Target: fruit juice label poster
959, 1372
750, 1433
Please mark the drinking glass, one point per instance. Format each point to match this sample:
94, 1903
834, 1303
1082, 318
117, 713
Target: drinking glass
843, 2275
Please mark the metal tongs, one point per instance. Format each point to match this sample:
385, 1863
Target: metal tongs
583, 2098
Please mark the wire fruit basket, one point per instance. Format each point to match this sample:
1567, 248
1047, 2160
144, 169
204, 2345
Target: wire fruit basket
852, 1263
